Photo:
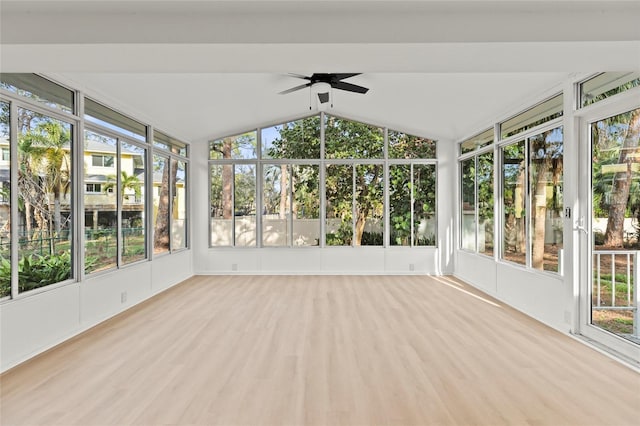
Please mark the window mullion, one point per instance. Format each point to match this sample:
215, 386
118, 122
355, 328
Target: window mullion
475, 204
527, 207
119, 200
13, 144
411, 201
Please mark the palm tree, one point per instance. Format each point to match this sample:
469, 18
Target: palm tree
45, 169
127, 182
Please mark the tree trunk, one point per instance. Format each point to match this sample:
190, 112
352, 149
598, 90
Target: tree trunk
539, 216
360, 223
27, 219
614, 235
227, 179
161, 235
521, 221
284, 192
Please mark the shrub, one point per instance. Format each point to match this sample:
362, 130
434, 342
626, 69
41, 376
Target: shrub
35, 271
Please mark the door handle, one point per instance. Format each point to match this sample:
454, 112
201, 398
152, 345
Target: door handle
579, 226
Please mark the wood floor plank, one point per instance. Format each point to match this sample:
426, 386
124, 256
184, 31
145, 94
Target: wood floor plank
325, 350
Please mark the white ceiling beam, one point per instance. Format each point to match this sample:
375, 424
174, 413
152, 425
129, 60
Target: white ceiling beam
227, 22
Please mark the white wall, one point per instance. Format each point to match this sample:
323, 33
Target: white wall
32, 324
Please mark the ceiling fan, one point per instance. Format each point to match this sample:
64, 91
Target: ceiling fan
332, 79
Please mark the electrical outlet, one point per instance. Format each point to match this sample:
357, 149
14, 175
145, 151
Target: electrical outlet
123, 297
412, 267
234, 266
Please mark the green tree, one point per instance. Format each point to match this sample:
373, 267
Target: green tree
344, 139
45, 170
627, 130
127, 182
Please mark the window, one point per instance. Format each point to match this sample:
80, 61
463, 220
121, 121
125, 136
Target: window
355, 205
167, 143
477, 142
352, 139
468, 205
113, 181
403, 145
287, 166
114, 207
535, 116
133, 187
170, 203
532, 200
39, 89
106, 117
291, 205
239, 147
161, 203
476, 207
96, 188
102, 160
5, 200
606, 85
100, 206
296, 140
179, 206
412, 204
45, 200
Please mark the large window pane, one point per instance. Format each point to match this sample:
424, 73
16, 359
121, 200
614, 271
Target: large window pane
242, 146
352, 139
369, 205
39, 89
45, 191
339, 207
615, 181
400, 204
403, 145
485, 203
298, 139
424, 205
276, 205
161, 179
221, 205
514, 196
5, 202
545, 159
179, 206
306, 205
100, 204
468, 206
245, 205
133, 184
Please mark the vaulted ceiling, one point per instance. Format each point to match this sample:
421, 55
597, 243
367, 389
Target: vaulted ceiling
199, 69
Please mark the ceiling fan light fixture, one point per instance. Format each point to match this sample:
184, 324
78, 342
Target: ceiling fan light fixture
323, 97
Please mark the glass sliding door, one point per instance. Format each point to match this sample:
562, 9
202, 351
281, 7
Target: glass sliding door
615, 237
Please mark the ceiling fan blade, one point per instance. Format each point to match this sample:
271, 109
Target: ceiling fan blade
345, 76
350, 87
304, 77
293, 89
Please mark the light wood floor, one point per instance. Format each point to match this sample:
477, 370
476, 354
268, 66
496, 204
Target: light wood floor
242, 350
